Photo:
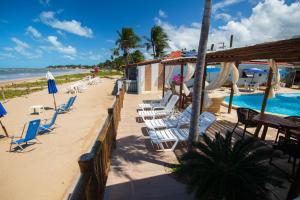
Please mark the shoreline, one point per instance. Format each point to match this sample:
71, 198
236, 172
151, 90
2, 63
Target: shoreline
4, 83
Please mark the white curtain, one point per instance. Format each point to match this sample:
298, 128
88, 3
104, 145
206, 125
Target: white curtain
221, 78
168, 74
226, 69
189, 74
235, 78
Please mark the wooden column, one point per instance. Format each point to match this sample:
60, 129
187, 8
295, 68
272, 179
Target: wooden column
164, 80
181, 85
203, 88
232, 92
267, 91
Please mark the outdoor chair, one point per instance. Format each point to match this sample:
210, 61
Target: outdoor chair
48, 127
66, 107
181, 119
290, 147
245, 117
295, 133
30, 135
151, 104
177, 135
167, 111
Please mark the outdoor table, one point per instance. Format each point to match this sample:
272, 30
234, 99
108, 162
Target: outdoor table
36, 109
268, 120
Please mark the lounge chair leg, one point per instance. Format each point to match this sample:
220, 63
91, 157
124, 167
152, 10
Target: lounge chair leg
161, 146
276, 137
174, 145
235, 127
244, 131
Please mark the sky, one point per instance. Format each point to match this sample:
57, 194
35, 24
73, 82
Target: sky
39, 33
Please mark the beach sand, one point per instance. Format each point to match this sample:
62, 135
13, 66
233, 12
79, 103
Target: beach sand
49, 169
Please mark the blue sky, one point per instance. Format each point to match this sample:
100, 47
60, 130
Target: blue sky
38, 33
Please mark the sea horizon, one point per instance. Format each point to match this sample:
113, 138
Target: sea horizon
21, 73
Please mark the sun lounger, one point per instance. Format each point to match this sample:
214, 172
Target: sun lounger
167, 111
177, 135
162, 101
170, 122
30, 134
66, 107
48, 127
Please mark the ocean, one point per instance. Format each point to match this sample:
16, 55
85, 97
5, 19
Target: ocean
8, 74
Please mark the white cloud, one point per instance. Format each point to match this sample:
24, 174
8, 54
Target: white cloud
181, 36
6, 55
72, 26
223, 16
224, 3
69, 57
69, 50
24, 49
162, 14
110, 41
269, 20
45, 2
34, 32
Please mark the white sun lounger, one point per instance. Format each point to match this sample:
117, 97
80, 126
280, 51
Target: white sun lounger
151, 104
167, 111
177, 135
181, 120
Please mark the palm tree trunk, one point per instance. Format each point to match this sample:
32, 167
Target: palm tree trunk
199, 72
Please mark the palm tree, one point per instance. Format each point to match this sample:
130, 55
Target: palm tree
220, 169
199, 72
158, 41
127, 40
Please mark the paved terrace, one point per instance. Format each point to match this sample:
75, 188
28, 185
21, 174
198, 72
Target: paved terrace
139, 172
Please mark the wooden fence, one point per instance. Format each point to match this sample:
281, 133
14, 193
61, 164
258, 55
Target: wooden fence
94, 166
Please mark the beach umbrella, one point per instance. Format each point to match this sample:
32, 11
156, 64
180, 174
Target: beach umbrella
2, 113
52, 89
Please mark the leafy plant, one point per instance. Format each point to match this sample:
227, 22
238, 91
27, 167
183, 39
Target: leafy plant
158, 41
127, 40
221, 169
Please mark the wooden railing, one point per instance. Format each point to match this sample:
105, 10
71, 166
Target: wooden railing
94, 166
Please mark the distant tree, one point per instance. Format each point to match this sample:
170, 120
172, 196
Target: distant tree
127, 40
137, 56
158, 41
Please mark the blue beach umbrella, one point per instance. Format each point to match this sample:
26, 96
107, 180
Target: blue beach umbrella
52, 89
2, 113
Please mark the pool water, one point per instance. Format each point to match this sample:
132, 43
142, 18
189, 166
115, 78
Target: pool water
283, 103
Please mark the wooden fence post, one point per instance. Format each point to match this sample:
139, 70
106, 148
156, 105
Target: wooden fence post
86, 165
111, 112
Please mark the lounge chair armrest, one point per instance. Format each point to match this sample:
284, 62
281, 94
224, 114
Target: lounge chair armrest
158, 108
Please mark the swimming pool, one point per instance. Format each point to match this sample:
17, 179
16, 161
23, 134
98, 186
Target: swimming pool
283, 103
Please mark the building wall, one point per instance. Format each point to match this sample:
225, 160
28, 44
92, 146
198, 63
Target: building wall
148, 78
141, 79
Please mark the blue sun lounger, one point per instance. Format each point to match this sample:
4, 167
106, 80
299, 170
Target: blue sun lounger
66, 107
30, 134
48, 127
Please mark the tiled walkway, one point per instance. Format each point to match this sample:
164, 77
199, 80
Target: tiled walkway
137, 171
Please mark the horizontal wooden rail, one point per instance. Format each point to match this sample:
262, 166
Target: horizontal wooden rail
94, 166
